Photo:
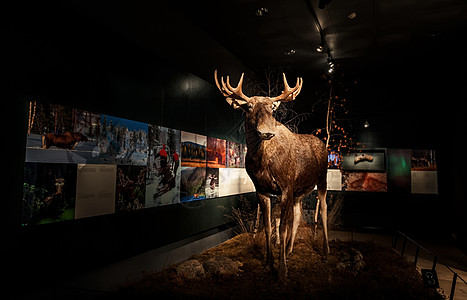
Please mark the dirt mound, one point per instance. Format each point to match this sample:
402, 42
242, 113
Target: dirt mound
353, 270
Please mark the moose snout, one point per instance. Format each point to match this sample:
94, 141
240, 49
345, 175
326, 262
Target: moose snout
265, 135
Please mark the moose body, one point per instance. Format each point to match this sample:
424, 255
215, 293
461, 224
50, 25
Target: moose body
280, 162
67, 140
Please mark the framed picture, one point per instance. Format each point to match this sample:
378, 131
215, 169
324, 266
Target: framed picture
193, 150
365, 160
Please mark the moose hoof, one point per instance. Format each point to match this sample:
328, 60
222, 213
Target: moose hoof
282, 273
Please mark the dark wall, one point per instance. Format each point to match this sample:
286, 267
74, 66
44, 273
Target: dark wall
58, 55
415, 100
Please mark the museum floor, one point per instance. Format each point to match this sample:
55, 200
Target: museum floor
447, 253
98, 283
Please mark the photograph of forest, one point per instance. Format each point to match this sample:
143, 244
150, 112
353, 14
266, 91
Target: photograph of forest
193, 150
123, 141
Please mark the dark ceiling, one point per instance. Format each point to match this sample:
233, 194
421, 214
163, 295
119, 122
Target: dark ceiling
254, 34
377, 30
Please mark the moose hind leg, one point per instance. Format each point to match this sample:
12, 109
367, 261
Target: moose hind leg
324, 216
258, 215
284, 230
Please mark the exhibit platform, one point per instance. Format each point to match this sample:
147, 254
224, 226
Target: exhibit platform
101, 282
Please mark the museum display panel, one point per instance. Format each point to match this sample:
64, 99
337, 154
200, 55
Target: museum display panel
82, 164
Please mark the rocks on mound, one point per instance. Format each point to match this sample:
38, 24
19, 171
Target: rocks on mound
191, 269
219, 266
351, 261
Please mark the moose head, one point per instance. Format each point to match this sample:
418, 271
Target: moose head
258, 109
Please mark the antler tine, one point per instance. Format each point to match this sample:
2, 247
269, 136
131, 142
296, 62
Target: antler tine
227, 89
223, 89
289, 94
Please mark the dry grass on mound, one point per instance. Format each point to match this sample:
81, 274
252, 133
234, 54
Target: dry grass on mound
385, 274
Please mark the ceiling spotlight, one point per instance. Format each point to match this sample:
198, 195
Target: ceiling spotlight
290, 52
320, 47
366, 124
352, 15
262, 11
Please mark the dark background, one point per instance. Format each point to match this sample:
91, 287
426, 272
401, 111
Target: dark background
414, 99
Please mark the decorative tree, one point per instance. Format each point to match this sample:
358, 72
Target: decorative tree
337, 133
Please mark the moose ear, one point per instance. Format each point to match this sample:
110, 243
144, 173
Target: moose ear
275, 105
236, 103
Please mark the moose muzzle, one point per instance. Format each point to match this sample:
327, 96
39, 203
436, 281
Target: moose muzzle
265, 135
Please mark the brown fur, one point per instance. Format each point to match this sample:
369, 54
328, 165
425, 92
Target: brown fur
283, 163
67, 140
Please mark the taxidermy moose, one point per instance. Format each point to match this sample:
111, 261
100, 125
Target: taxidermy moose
280, 162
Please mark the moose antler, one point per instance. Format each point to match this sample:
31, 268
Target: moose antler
289, 94
229, 91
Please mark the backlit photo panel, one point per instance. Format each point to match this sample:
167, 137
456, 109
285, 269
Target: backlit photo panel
193, 150
163, 169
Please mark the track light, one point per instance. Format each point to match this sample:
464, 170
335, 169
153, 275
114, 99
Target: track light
330, 62
320, 47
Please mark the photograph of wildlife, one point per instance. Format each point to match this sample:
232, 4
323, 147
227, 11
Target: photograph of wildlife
131, 188
364, 181
192, 184
216, 152
123, 141
193, 150
212, 183
423, 160
48, 193
61, 134
235, 155
163, 170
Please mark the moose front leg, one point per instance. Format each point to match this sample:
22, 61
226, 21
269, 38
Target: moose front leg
265, 203
284, 230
